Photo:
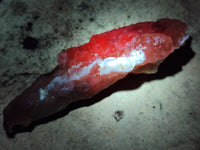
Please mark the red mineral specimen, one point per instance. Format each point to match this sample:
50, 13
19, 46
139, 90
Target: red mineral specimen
85, 70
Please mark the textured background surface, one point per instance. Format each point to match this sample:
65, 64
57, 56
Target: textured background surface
160, 111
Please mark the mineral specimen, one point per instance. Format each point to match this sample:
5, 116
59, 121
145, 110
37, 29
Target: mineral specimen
85, 70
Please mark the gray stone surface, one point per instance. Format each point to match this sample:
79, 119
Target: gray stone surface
155, 112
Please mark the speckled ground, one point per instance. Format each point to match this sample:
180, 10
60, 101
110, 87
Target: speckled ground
160, 111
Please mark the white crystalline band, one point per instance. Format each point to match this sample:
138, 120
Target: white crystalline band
186, 37
107, 65
43, 93
113, 64
182, 41
121, 64
86, 70
60, 83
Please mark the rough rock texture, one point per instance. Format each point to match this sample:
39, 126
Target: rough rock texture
160, 111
